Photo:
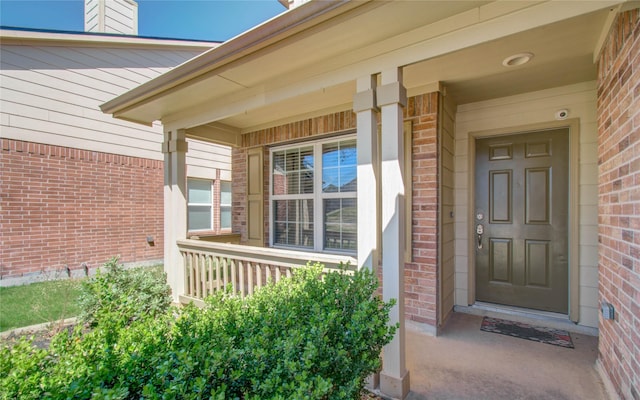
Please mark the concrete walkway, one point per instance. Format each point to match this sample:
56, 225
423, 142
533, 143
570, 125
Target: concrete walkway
464, 363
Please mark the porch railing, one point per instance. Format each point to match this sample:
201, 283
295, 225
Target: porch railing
210, 267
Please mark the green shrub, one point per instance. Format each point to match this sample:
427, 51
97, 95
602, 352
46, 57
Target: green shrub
303, 338
126, 294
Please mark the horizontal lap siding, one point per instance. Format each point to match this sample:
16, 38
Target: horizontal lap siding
619, 204
52, 94
62, 207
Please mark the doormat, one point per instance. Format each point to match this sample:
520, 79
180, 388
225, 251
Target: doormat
556, 337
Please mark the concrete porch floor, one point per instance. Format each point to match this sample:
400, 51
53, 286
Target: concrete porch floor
464, 362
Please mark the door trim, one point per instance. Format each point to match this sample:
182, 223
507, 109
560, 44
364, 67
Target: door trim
574, 185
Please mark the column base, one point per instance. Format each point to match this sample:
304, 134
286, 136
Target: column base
393, 386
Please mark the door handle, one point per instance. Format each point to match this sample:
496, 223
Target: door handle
479, 232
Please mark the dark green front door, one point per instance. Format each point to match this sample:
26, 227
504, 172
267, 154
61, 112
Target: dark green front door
521, 220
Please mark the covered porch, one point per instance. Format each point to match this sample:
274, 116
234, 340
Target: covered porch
465, 363
412, 99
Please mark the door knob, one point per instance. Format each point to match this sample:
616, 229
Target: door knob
480, 232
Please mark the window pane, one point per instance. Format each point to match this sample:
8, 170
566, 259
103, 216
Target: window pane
306, 170
293, 182
277, 174
199, 191
225, 193
340, 224
339, 167
293, 223
293, 171
199, 218
225, 217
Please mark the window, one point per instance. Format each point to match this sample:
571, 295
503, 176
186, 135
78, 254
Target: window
200, 205
225, 205
315, 182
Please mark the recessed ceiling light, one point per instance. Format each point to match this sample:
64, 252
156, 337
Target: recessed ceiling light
517, 59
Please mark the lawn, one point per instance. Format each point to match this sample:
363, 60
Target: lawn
38, 303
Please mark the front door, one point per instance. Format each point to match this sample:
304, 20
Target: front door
521, 220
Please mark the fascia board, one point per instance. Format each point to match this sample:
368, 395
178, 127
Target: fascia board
22, 37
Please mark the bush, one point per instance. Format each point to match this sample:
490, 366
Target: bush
128, 294
303, 338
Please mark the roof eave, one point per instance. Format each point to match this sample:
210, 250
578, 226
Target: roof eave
274, 30
10, 35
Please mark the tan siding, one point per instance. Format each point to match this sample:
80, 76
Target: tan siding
533, 108
117, 64
205, 158
51, 95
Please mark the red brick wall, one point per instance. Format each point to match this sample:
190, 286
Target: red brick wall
619, 203
420, 275
61, 207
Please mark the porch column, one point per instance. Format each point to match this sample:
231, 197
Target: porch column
392, 97
364, 105
174, 148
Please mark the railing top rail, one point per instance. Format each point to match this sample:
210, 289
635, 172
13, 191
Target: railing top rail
282, 257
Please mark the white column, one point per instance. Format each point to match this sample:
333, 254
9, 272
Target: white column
364, 105
392, 97
174, 148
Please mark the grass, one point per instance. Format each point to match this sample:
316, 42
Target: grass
42, 302
38, 303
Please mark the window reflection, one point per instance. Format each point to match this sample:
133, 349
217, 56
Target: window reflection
340, 228
293, 171
339, 167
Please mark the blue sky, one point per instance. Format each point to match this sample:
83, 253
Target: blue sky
216, 20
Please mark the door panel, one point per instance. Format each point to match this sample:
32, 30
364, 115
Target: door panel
538, 196
500, 192
522, 206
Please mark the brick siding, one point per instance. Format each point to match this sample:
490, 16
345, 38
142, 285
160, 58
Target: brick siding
62, 207
421, 274
619, 203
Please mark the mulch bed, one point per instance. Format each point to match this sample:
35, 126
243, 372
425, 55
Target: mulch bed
41, 337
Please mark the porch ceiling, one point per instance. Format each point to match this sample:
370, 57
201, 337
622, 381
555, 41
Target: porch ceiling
311, 69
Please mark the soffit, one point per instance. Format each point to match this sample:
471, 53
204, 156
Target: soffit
301, 56
314, 70
563, 55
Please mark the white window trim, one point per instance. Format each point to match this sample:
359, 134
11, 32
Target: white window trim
318, 196
189, 203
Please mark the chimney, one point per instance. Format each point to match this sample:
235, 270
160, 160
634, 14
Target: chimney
111, 16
